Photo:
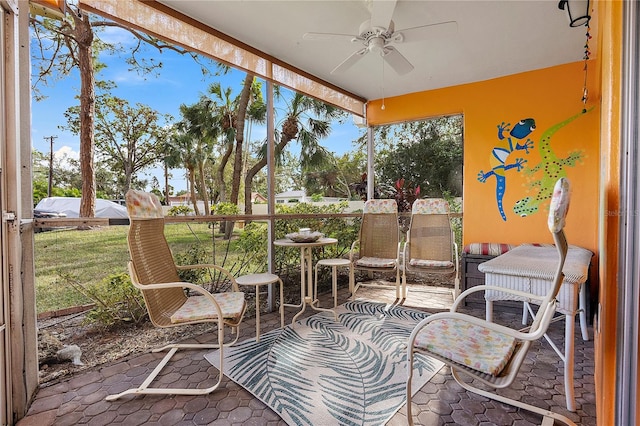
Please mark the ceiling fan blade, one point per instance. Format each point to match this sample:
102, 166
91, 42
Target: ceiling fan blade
399, 63
440, 30
382, 12
329, 36
350, 61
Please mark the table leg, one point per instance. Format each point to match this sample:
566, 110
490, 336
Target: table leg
309, 296
583, 311
303, 298
489, 311
257, 313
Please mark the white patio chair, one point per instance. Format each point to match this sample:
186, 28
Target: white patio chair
489, 353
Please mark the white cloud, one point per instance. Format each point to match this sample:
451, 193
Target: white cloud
116, 35
64, 154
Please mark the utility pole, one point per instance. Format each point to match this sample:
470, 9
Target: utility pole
50, 138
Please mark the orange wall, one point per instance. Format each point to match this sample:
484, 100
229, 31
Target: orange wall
549, 96
606, 324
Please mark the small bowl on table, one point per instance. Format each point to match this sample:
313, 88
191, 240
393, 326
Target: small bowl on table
305, 237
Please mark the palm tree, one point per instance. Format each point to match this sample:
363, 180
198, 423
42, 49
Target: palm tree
200, 123
180, 150
308, 120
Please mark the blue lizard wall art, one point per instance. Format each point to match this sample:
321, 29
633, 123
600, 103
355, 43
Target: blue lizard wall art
501, 152
552, 169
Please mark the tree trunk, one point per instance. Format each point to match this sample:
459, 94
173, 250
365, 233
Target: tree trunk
222, 187
83, 34
240, 122
166, 183
204, 191
253, 171
192, 186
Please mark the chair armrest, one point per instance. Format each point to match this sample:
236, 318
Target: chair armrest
457, 259
355, 244
181, 285
404, 254
226, 273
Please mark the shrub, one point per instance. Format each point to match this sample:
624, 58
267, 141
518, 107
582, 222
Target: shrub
210, 279
180, 211
254, 236
117, 300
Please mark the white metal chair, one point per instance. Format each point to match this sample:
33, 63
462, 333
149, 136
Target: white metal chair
169, 301
486, 352
378, 247
431, 246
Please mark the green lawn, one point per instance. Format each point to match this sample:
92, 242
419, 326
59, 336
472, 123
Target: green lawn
88, 257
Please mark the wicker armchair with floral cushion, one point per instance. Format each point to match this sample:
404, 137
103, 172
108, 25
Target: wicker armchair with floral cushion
485, 352
378, 247
169, 301
431, 247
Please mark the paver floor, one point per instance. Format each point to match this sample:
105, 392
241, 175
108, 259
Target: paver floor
80, 400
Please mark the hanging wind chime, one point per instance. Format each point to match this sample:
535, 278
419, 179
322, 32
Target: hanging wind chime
587, 54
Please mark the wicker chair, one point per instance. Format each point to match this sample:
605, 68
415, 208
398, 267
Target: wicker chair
378, 247
490, 353
169, 301
431, 246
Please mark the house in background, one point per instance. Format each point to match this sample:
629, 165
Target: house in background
292, 197
258, 198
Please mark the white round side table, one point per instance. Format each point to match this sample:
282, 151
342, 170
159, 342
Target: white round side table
334, 263
257, 280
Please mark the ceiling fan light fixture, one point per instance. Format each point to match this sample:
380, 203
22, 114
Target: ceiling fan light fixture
376, 45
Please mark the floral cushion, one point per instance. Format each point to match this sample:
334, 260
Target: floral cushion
143, 205
468, 344
430, 206
200, 307
376, 262
380, 206
424, 263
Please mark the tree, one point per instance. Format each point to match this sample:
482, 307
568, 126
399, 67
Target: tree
66, 44
179, 149
307, 120
337, 176
426, 154
231, 115
199, 124
129, 139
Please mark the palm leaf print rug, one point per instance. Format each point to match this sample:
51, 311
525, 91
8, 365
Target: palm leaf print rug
322, 372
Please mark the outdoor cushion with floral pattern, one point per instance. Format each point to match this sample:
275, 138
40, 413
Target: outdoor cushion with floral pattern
424, 263
380, 206
468, 344
430, 206
143, 205
200, 307
376, 262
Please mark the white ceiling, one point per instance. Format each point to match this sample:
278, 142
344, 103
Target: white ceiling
493, 39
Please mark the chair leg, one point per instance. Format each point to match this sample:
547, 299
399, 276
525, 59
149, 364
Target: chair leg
315, 285
546, 414
281, 304
144, 388
334, 283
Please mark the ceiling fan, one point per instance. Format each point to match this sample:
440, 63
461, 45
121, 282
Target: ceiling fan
378, 35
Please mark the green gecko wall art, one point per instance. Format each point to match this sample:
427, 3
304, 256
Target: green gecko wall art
551, 167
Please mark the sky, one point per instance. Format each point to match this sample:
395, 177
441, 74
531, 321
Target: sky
179, 82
